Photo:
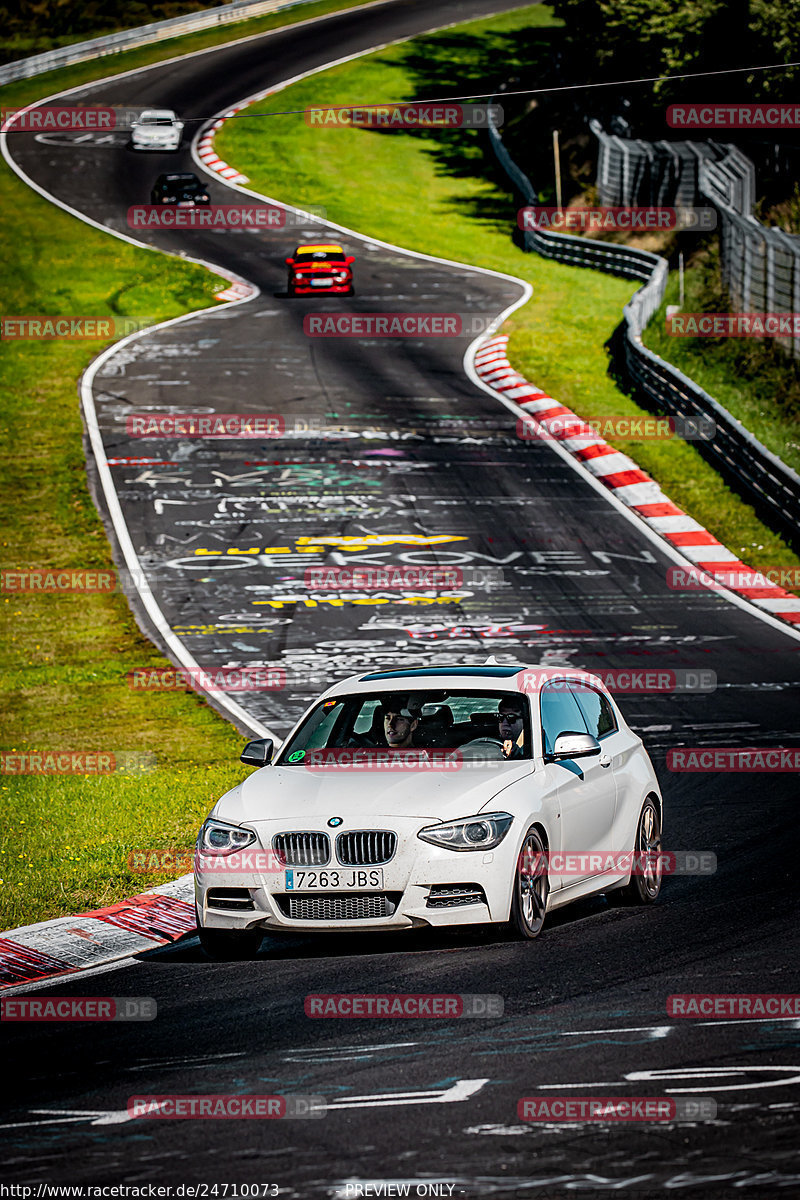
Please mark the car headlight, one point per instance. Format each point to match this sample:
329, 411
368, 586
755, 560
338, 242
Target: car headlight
340, 276
218, 837
483, 832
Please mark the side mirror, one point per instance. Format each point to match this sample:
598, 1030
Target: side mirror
575, 745
349, 260
290, 262
257, 753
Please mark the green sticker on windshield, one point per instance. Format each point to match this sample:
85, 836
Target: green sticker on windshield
296, 756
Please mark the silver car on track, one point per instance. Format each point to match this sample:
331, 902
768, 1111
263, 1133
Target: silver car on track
156, 129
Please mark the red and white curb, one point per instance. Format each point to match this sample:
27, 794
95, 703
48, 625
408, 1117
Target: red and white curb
209, 156
632, 486
239, 290
65, 945
205, 151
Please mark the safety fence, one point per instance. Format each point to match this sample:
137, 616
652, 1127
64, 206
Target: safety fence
760, 264
143, 35
771, 484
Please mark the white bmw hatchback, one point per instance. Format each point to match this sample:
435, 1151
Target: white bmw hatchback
438, 796
156, 129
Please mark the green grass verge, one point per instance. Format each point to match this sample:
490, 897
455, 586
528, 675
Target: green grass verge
66, 840
434, 192
756, 381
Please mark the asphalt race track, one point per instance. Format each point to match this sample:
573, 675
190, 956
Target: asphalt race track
425, 454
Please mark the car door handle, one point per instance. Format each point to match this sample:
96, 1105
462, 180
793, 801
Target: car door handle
605, 760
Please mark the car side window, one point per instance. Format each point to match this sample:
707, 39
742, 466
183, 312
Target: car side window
560, 714
598, 712
318, 729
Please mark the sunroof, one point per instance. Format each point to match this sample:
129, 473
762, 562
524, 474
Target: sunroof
433, 672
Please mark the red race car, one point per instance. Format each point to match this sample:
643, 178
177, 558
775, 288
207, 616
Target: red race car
319, 267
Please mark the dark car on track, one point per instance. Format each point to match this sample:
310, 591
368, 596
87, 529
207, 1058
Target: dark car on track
320, 266
185, 190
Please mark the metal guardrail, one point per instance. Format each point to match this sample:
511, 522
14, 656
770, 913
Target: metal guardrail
143, 35
760, 264
771, 484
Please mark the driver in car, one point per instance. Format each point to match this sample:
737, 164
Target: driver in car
510, 720
401, 717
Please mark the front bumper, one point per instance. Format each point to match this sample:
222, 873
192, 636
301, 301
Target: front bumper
298, 289
408, 878
141, 144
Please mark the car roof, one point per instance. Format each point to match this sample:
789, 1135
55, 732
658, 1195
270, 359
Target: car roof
157, 112
184, 175
508, 678
330, 247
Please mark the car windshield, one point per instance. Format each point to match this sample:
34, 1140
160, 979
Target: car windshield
155, 120
467, 721
320, 255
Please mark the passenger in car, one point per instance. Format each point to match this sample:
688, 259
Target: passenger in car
510, 722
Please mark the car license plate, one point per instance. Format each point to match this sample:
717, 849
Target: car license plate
340, 879
321, 282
